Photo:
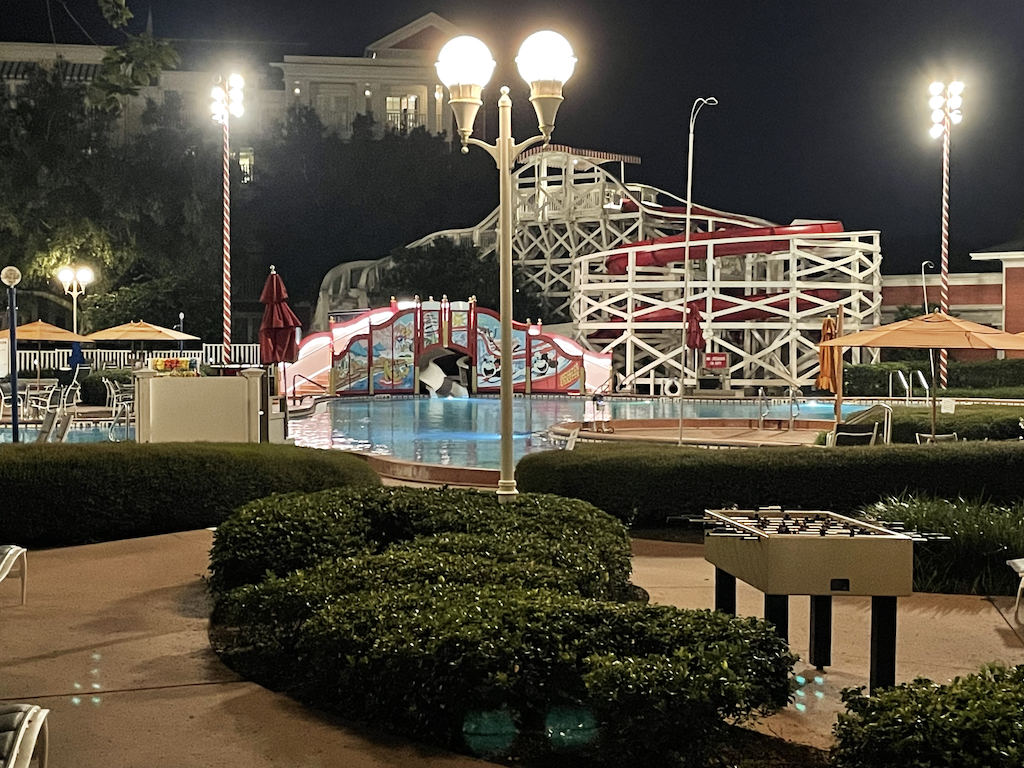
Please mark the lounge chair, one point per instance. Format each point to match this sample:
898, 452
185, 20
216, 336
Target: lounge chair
926, 437
46, 428
13, 562
60, 431
853, 434
1018, 568
21, 726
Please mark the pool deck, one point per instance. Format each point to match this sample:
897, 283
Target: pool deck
113, 641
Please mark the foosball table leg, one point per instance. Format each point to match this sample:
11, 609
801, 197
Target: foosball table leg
883, 642
821, 631
776, 611
725, 592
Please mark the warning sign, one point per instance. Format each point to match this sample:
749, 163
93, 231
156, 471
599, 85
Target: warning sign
716, 361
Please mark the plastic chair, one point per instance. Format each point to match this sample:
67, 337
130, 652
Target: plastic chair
853, 434
21, 726
46, 428
1018, 568
926, 437
13, 562
6, 398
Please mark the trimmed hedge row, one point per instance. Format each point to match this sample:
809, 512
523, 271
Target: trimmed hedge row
644, 484
970, 422
500, 628
873, 380
982, 536
972, 722
62, 494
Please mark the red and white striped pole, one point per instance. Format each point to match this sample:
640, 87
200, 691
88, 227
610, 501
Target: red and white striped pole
944, 264
226, 354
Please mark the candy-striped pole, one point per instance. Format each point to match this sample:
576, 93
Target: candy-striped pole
944, 267
227, 245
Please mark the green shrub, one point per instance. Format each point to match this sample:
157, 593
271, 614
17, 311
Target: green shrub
63, 494
970, 422
973, 722
445, 613
647, 483
965, 378
94, 392
983, 536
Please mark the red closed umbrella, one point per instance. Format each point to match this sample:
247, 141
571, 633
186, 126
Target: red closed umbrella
694, 335
277, 329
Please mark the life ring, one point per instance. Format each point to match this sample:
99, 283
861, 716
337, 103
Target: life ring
672, 389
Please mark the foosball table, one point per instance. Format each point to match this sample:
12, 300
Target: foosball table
817, 553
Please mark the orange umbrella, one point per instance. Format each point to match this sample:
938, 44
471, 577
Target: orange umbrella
828, 358
40, 331
934, 331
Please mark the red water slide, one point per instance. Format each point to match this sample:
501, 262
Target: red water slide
753, 241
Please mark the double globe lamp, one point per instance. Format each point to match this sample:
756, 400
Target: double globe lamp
464, 66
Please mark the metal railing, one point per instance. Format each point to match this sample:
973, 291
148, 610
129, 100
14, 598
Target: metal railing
296, 377
763, 406
908, 387
55, 359
793, 393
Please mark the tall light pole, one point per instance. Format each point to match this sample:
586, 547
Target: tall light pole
697, 105
464, 66
11, 276
227, 104
74, 281
924, 290
945, 103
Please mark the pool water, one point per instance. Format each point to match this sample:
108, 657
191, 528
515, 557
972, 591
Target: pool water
87, 434
465, 432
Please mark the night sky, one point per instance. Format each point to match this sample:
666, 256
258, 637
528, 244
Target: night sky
822, 103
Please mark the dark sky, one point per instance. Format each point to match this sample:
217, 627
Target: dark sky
823, 103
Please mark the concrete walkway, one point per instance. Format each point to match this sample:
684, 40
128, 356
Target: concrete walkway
113, 641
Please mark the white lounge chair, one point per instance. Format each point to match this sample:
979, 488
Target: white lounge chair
1018, 568
21, 727
13, 562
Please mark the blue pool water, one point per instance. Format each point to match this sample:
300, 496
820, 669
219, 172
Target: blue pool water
90, 434
466, 432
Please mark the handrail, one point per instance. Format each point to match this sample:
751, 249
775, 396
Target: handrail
792, 392
304, 378
123, 408
908, 386
868, 415
764, 406
923, 380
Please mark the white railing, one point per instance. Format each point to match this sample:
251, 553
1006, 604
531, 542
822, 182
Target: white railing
211, 354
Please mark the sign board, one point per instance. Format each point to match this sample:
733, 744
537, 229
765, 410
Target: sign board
716, 361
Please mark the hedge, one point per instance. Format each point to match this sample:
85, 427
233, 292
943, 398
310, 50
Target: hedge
497, 629
62, 494
970, 422
873, 380
972, 722
644, 484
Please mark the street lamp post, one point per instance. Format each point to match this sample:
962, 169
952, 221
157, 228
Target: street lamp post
464, 66
181, 327
924, 290
697, 105
74, 281
945, 103
227, 104
11, 276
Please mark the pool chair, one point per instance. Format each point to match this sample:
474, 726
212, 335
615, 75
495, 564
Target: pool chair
22, 727
853, 434
5, 399
1018, 568
926, 437
13, 562
46, 427
60, 430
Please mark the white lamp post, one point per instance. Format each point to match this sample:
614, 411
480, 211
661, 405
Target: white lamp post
11, 276
74, 281
227, 104
709, 101
464, 66
945, 103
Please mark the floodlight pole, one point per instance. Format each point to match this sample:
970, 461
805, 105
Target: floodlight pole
944, 263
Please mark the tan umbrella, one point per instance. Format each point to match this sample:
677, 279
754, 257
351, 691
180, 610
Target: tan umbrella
934, 331
137, 330
827, 361
40, 331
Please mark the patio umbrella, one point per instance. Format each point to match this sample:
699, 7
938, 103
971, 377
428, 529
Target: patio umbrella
933, 331
694, 335
137, 330
277, 329
40, 331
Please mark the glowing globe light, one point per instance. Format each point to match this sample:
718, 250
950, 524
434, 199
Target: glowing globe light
956, 88
546, 55
464, 60
936, 88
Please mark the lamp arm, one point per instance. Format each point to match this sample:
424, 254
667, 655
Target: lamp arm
517, 149
491, 149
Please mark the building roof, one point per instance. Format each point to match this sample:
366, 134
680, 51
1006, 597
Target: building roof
427, 34
1014, 249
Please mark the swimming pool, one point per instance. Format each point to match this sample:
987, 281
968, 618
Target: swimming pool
85, 434
465, 432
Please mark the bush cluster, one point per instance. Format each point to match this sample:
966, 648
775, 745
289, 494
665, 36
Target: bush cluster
63, 494
982, 537
987, 375
644, 484
972, 722
970, 422
502, 629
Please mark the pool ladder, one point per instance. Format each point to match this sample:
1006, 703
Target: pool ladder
765, 406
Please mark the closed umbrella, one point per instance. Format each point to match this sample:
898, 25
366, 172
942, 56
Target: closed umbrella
828, 358
694, 335
277, 329
933, 331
